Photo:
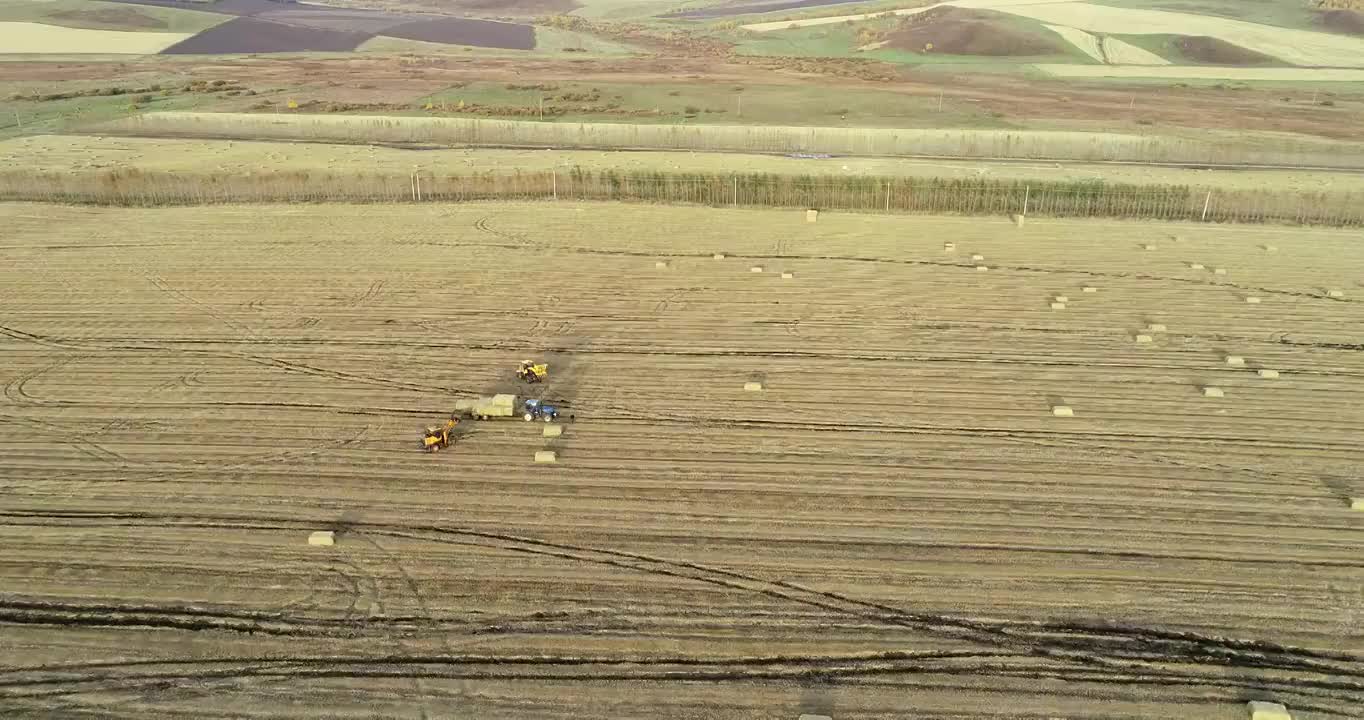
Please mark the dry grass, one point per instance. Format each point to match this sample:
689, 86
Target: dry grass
863, 194
190, 392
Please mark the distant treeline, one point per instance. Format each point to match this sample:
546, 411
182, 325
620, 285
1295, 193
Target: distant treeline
131, 187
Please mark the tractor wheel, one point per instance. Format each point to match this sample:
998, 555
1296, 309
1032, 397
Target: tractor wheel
550, 418
528, 417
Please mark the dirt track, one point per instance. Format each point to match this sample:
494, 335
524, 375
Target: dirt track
898, 523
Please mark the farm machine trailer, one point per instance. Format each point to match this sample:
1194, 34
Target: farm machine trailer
500, 406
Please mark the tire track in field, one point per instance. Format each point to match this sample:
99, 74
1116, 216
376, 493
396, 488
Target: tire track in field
520, 240
1087, 643
75, 438
165, 287
14, 390
262, 360
779, 254
68, 680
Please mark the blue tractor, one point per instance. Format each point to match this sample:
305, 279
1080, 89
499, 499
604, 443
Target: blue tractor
533, 409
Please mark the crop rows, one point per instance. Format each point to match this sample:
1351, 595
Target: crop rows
896, 522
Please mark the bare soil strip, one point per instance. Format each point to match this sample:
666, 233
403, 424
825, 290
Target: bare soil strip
466, 31
252, 35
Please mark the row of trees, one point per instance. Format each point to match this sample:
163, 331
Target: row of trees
864, 194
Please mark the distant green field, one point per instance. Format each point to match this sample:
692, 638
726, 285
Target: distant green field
817, 41
554, 40
721, 103
21, 117
108, 16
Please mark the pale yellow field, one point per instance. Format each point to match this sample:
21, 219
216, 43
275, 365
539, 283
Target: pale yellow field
1186, 72
896, 527
1119, 52
37, 38
76, 152
1106, 49
1087, 43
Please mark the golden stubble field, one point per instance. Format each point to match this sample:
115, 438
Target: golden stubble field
896, 526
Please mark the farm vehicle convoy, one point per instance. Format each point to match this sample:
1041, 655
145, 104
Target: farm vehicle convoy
502, 405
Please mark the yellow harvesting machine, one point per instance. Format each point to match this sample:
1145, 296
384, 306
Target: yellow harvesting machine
532, 372
438, 437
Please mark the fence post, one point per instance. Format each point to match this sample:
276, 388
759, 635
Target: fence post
887, 196
418, 176
412, 186
736, 191
1027, 195
1206, 201
554, 183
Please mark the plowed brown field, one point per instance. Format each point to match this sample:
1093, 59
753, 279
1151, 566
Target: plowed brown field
897, 526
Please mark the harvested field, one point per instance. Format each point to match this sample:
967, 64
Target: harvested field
1108, 49
25, 37
897, 522
1199, 72
1212, 51
85, 153
1118, 52
955, 31
251, 35
467, 31
1087, 43
1299, 47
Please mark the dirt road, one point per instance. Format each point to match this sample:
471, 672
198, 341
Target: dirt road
897, 524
